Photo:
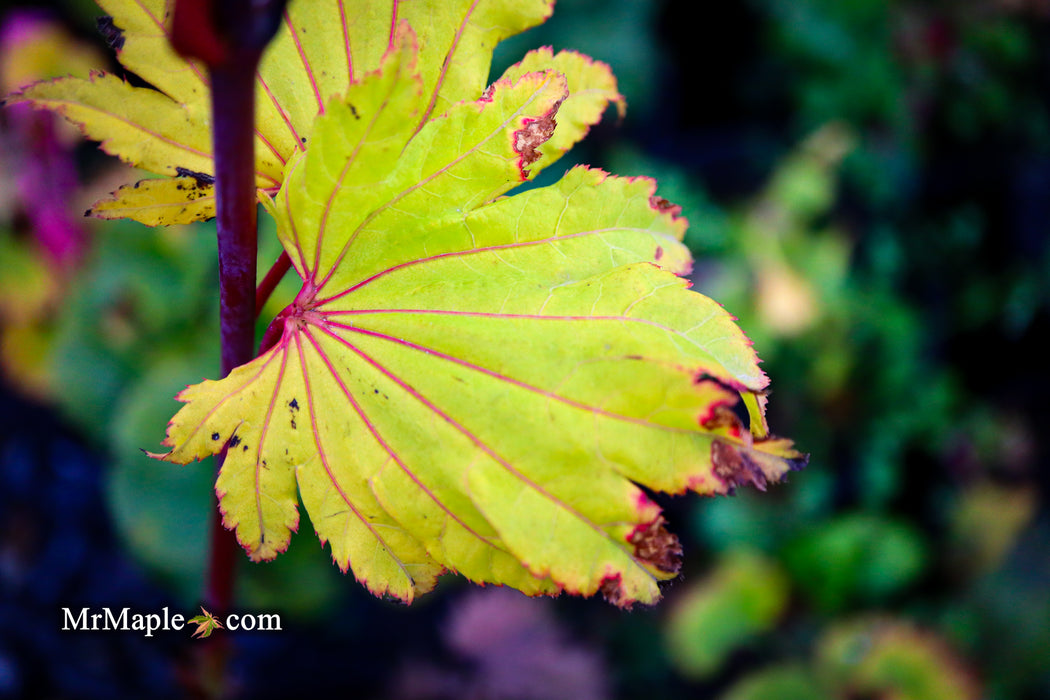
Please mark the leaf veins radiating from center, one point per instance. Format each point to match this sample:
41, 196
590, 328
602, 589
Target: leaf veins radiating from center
476, 382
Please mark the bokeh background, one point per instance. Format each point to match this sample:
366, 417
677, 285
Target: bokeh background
868, 187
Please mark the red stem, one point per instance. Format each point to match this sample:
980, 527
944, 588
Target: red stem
271, 280
229, 37
233, 118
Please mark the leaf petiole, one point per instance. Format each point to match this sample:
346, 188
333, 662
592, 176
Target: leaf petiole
273, 277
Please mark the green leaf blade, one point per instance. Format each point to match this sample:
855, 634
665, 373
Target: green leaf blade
256, 493
335, 490
631, 386
455, 164
458, 39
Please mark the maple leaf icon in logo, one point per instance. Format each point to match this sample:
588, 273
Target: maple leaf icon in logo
206, 624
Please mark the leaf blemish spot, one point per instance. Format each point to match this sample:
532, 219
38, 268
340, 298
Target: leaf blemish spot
531, 136
664, 207
612, 590
215, 436
655, 545
234, 441
203, 179
293, 408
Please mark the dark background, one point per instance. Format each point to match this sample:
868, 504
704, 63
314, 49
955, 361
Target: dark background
867, 185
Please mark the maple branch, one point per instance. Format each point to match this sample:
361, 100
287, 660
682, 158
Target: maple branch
233, 117
229, 37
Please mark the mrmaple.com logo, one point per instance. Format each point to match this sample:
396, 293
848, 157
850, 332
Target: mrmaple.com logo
106, 620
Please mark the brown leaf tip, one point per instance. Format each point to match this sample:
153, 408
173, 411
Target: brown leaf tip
735, 467
655, 545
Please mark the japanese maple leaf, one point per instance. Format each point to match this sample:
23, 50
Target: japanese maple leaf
206, 624
474, 382
323, 46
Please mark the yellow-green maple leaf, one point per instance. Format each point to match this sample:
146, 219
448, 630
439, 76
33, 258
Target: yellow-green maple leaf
475, 382
322, 47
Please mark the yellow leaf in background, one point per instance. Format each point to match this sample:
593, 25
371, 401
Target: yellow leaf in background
322, 48
163, 200
141, 125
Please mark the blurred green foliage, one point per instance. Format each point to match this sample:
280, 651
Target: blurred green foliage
879, 226
742, 597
